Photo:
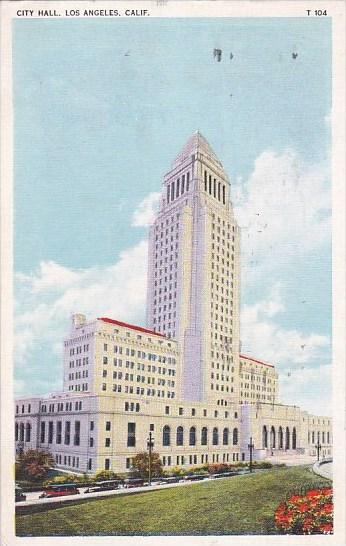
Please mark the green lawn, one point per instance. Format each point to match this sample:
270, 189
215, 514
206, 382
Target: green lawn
238, 505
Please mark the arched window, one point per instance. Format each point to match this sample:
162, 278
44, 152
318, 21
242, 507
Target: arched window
265, 437
327, 437
192, 436
166, 436
281, 438
16, 431
313, 437
225, 436
272, 438
215, 436
235, 436
180, 436
294, 438
27, 432
287, 443
204, 436
318, 437
21, 437
323, 437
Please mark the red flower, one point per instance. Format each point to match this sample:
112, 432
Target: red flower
326, 528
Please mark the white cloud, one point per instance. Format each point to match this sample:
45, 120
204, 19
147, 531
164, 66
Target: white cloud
308, 387
264, 338
284, 211
144, 215
46, 299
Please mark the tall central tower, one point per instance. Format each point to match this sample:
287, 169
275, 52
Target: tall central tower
193, 276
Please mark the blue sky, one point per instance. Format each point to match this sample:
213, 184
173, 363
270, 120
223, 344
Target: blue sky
101, 110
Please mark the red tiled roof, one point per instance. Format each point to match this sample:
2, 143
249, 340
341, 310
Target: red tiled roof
131, 326
258, 361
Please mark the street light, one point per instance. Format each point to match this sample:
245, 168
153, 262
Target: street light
318, 447
251, 447
150, 445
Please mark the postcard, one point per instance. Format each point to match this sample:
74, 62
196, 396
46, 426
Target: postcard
173, 258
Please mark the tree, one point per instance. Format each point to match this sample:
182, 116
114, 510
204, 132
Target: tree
140, 463
34, 464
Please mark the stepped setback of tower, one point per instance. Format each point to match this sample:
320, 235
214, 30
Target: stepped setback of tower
194, 273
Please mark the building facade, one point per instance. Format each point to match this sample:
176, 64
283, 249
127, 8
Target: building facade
182, 377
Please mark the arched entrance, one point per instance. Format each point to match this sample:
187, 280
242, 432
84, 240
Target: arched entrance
272, 438
264, 437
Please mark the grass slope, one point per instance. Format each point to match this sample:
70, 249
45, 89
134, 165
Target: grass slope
238, 505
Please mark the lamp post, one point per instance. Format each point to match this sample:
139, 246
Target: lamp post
318, 448
251, 447
150, 445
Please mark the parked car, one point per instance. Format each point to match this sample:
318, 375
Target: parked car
107, 485
172, 479
133, 482
158, 481
196, 477
19, 495
62, 490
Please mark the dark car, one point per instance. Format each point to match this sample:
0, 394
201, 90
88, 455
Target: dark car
108, 485
133, 482
196, 477
171, 479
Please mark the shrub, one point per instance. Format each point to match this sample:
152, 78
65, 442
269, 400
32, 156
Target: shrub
104, 475
175, 471
56, 480
219, 468
262, 464
307, 514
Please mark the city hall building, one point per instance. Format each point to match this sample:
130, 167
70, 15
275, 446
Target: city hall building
182, 377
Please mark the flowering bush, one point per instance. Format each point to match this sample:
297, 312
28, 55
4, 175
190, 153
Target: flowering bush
307, 514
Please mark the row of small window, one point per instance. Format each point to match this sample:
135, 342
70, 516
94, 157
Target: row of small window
78, 350
256, 387
215, 188
141, 379
60, 407
257, 395
79, 362
79, 387
221, 377
167, 230
262, 376
171, 218
320, 437
150, 367
139, 390
140, 354
23, 408
222, 223
78, 375
192, 436
222, 388
320, 421
166, 250
67, 460
193, 412
178, 187
221, 337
